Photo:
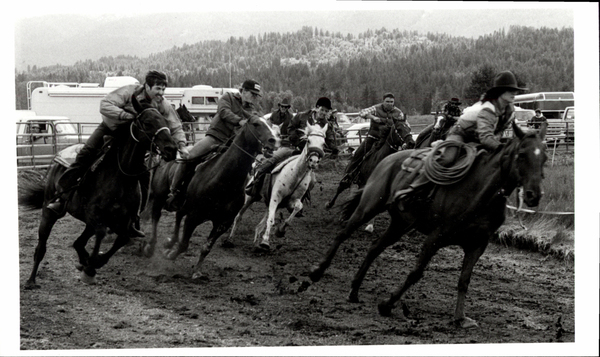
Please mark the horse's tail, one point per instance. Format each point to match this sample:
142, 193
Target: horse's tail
348, 207
31, 193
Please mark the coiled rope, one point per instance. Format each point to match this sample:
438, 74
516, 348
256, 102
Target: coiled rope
442, 175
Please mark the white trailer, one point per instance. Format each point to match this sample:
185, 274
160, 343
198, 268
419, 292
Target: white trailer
80, 102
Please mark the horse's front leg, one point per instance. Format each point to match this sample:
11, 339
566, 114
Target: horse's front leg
264, 244
175, 236
148, 247
471, 257
297, 207
228, 242
87, 262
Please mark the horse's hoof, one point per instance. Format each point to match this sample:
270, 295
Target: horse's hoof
79, 267
86, 279
466, 322
369, 228
199, 277
384, 309
302, 288
328, 206
170, 254
264, 246
315, 275
227, 244
280, 233
148, 250
31, 285
353, 297
169, 244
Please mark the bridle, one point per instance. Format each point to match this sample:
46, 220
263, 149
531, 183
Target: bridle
251, 130
153, 145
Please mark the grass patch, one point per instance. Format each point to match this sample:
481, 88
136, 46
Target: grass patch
547, 233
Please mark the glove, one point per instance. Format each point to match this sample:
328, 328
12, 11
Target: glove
184, 152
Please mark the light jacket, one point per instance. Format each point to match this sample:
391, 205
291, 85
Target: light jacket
117, 109
483, 123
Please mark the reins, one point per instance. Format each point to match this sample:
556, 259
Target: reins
152, 144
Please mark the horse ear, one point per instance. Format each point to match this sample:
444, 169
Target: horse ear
136, 105
517, 130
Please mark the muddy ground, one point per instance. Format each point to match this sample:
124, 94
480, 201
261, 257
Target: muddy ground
251, 298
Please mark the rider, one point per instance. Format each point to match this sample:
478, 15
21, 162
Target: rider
319, 114
282, 116
483, 123
380, 115
233, 110
452, 112
116, 110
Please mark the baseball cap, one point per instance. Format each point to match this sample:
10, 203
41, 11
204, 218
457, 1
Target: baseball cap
252, 86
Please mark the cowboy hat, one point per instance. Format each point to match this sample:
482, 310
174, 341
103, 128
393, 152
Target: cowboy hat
506, 80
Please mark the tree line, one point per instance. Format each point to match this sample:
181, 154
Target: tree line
353, 71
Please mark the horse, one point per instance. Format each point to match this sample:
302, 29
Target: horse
436, 131
215, 192
289, 182
108, 198
392, 142
465, 213
186, 118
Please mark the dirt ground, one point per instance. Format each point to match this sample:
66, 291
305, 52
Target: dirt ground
252, 298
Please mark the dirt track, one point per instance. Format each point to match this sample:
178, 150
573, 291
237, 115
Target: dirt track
252, 299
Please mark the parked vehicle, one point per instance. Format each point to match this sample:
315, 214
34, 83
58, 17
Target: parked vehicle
39, 138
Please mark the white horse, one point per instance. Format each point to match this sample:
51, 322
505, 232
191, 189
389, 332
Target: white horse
289, 182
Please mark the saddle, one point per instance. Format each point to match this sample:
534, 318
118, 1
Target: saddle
434, 165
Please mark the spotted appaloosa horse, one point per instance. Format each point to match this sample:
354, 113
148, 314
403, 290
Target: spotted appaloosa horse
215, 193
465, 213
289, 182
109, 197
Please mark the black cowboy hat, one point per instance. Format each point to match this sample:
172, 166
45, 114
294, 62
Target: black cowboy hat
506, 80
454, 101
285, 103
324, 102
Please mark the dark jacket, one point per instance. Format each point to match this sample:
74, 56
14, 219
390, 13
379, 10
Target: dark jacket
387, 118
300, 121
283, 118
230, 110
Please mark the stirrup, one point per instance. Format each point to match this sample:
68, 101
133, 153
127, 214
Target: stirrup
56, 206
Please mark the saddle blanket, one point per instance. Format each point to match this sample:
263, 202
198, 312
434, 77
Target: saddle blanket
67, 156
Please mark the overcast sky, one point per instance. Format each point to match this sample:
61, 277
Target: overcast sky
66, 34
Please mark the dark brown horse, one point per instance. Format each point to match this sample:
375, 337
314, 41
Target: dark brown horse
216, 191
465, 213
391, 142
108, 198
436, 131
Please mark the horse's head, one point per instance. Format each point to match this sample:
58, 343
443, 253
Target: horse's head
185, 115
265, 133
315, 143
151, 126
529, 155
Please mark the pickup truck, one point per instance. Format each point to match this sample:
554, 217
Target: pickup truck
563, 128
39, 138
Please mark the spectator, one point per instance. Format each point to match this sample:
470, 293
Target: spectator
536, 121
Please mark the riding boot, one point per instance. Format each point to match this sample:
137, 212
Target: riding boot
177, 194
402, 196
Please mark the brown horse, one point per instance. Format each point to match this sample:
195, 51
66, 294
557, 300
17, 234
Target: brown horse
436, 131
108, 198
393, 141
216, 191
466, 213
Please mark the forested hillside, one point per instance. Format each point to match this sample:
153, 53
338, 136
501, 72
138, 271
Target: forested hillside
421, 69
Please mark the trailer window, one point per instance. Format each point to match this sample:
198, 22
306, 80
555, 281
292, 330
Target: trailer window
212, 100
198, 100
